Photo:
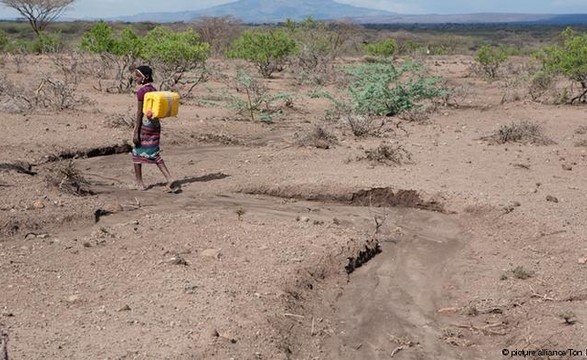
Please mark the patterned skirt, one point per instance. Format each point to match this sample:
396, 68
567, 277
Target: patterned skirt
148, 152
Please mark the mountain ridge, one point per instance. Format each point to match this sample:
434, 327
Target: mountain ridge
275, 11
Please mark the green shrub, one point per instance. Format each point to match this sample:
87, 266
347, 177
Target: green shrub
46, 43
267, 49
117, 51
4, 41
569, 60
258, 103
383, 89
384, 48
490, 58
174, 54
568, 316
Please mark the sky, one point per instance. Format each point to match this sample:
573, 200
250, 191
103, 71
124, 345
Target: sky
112, 8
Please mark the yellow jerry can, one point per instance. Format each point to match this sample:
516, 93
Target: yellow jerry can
162, 104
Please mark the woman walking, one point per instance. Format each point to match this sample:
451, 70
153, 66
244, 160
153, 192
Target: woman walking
146, 134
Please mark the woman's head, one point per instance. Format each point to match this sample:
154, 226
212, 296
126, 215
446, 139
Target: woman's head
144, 74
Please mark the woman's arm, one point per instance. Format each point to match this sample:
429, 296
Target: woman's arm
136, 137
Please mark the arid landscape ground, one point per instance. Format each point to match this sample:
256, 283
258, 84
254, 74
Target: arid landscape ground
479, 247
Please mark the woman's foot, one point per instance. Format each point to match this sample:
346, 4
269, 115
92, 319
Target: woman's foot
140, 187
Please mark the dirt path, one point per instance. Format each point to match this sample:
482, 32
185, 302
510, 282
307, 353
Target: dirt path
172, 275
390, 307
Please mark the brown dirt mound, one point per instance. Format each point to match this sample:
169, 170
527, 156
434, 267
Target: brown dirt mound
387, 197
377, 197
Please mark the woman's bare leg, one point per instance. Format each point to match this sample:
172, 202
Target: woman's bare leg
170, 182
139, 177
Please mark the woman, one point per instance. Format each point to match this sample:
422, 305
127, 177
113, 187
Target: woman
146, 134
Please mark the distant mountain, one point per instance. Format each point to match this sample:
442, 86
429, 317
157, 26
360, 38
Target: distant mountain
267, 11
272, 11
481, 18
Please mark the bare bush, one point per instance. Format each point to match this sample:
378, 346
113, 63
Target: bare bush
58, 94
520, 132
126, 120
72, 66
219, 32
176, 79
50, 93
541, 85
388, 153
66, 177
516, 78
318, 137
363, 125
456, 95
419, 114
14, 97
510, 89
324, 72
19, 59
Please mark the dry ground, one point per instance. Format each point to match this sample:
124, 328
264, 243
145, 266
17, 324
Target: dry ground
484, 249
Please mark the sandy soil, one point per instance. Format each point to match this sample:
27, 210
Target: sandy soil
483, 250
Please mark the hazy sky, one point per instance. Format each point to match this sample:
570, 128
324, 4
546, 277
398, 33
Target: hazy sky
112, 8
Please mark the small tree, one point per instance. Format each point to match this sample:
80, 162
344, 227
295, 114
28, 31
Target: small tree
570, 60
120, 52
267, 49
318, 42
490, 58
258, 99
174, 55
39, 13
218, 32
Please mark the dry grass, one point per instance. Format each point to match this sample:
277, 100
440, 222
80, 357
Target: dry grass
388, 153
125, 121
65, 176
318, 137
524, 132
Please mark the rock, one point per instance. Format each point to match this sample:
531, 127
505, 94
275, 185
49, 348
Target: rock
448, 310
190, 288
124, 308
567, 167
582, 261
211, 253
176, 260
551, 198
73, 299
39, 204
